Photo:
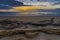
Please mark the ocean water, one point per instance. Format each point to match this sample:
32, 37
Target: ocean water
30, 13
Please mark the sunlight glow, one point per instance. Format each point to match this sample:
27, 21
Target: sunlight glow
25, 8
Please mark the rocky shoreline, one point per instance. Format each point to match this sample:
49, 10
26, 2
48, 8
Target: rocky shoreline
10, 28
29, 32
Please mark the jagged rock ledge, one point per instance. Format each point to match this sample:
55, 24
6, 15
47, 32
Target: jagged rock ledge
29, 33
51, 31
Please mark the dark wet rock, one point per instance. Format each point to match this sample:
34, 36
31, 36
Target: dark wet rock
48, 22
31, 34
9, 24
51, 31
6, 21
48, 39
21, 39
28, 33
38, 24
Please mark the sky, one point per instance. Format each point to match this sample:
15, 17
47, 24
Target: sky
44, 1
49, 3
39, 0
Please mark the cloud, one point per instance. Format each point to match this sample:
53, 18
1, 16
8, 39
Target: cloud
49, 0
56, 3
40, 0
38, 3
45, 4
